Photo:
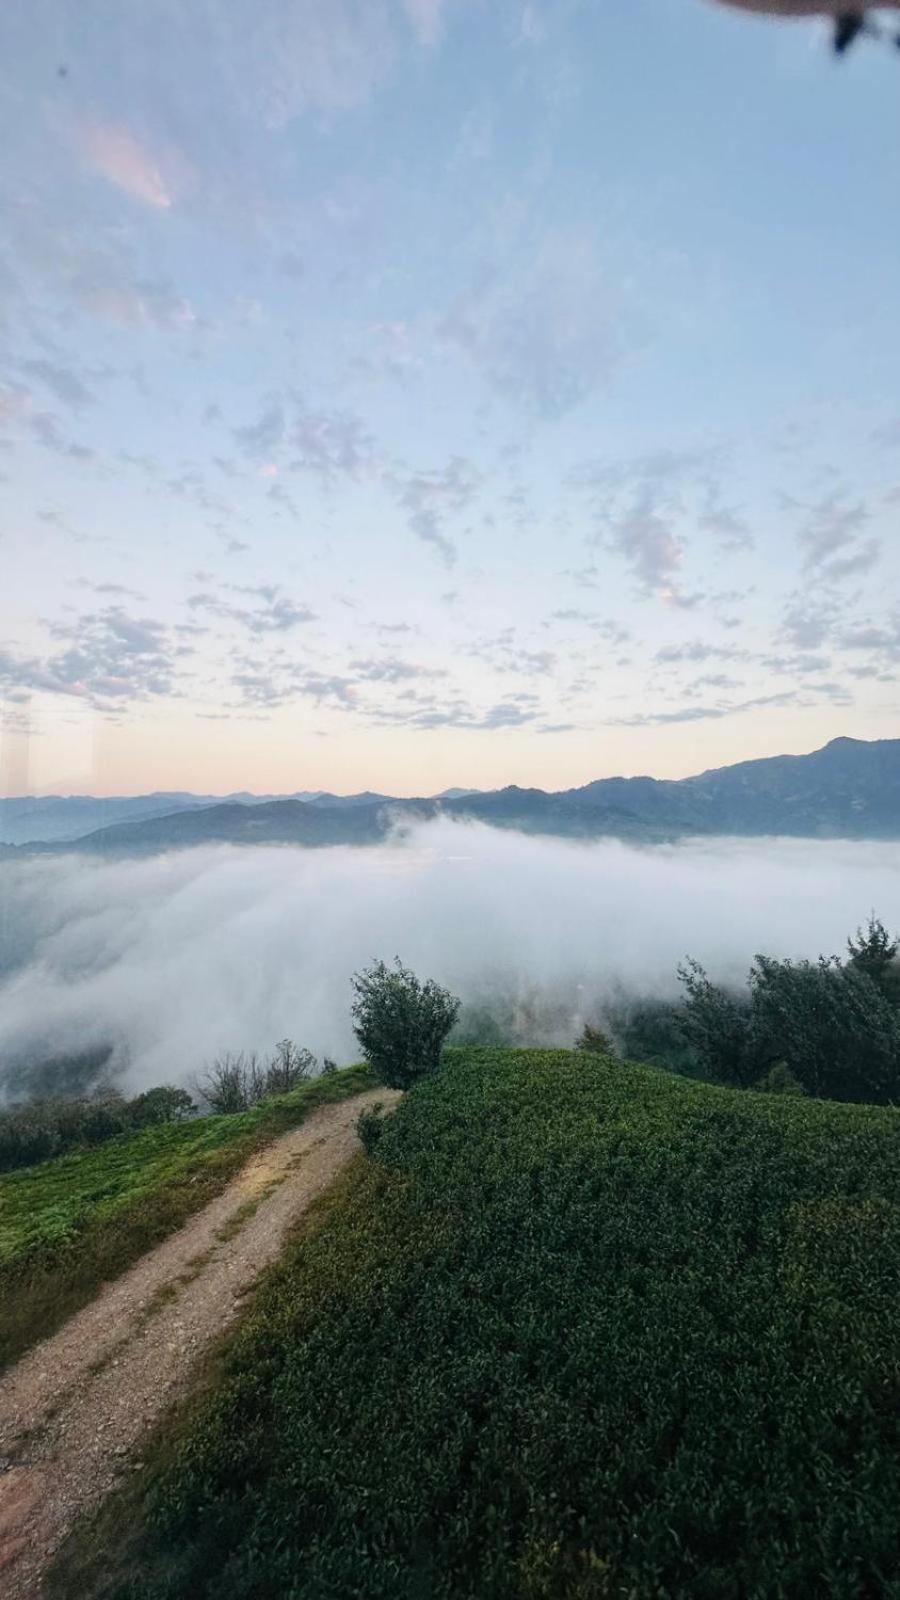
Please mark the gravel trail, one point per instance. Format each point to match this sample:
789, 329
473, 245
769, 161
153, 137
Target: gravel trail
74, 1410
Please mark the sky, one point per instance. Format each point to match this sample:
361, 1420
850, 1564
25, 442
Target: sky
405, 393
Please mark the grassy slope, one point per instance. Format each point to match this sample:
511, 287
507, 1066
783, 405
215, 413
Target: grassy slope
70, 1224
580, 1329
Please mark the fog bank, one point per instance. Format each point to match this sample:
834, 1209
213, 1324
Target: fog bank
172, 959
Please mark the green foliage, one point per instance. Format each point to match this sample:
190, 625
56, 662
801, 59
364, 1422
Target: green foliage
72, 1223
830, 1024
717, 1027
42, 1128
369, 1127
874, 952
401, 1023
779, 1080
595, 1041
163, 1104
572, 1334
651, 1031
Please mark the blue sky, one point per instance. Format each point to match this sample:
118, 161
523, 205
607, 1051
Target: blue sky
397, 393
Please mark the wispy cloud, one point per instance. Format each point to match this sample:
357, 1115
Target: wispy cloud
114, 151
108, 657
702, 713
274, 612
832, 542
430, 496
544, 334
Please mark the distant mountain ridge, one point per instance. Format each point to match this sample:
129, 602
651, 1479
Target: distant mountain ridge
849, 789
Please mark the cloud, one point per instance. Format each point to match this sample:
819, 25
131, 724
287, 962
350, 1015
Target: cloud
175, 961
275, 613
62, 382
883, 641
612, 631
702, 713
329, 444
506, 655
644, 537
47, 432
430, 496
513, 711
545, 328
109, 657
831, 539
114, 151
726, 525
17, 413
390, 669
807, 624
263, 438
646, 506
698, 650
639, 504
105, 289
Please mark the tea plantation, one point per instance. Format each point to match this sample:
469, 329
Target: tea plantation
69, 1224
576, 1329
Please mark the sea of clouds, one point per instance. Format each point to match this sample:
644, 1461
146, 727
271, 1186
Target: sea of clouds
175, 958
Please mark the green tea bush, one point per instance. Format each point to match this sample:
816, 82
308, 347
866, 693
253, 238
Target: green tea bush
572, 1333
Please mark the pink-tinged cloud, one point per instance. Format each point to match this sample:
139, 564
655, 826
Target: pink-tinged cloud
114, 152
426, 18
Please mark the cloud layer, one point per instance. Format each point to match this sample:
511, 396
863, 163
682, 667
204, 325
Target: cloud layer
171, 960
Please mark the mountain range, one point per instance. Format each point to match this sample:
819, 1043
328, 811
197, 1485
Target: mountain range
849, 789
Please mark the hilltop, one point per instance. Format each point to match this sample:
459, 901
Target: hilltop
849, 789
575, 1330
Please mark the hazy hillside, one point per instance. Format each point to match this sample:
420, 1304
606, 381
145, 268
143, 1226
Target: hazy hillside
52, 818
850, 789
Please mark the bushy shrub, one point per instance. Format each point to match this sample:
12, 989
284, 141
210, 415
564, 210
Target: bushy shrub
370, 1127
401, 1023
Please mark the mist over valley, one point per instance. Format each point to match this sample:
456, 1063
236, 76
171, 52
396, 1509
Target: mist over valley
144, 969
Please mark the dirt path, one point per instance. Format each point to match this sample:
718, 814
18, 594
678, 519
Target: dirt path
76, 1407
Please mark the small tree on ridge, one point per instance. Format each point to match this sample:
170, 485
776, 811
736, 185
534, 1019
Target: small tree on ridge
401, 1023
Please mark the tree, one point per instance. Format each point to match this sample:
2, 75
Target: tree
595, 1042
290, 1066
166, 1103
831, 1026
717, 1026
233, 1083
874, 952
237, 1082
401, 1024
827, 1024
